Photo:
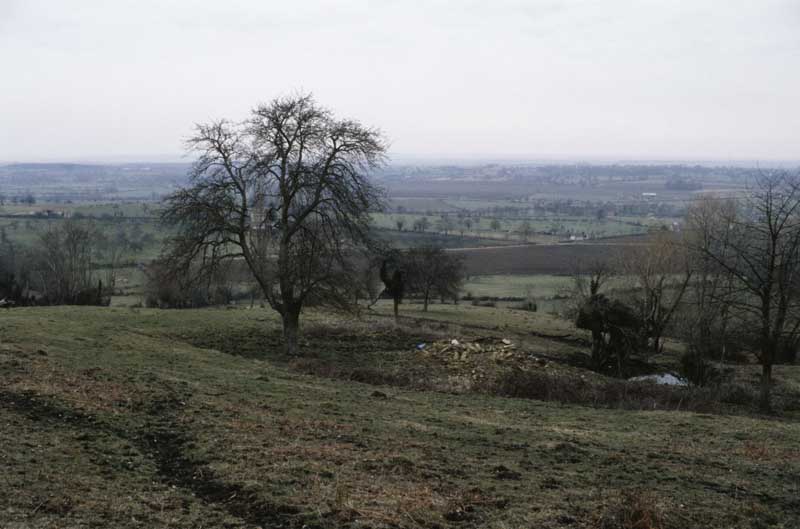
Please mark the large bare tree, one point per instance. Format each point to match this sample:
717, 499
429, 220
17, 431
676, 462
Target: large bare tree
708, 314
288, 193
758, 245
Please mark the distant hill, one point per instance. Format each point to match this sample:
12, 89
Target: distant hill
49, 167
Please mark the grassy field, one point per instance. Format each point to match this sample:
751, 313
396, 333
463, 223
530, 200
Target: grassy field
506, 286
145, 418
551, 293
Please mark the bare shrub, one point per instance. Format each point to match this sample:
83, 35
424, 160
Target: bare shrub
698, 369
165, 288
64, 262
611, 393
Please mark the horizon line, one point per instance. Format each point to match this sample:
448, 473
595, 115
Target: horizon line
440, 159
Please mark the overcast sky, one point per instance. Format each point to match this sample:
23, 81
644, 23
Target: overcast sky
682, 79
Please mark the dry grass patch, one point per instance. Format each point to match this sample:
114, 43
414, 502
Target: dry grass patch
635, 509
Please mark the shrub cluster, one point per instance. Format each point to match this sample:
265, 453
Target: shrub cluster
614, 393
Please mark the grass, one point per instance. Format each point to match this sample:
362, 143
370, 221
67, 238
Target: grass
147, 418
551, 293
507, 286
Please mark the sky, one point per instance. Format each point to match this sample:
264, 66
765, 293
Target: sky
96, 80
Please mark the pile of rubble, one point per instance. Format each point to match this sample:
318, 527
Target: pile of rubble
480, 349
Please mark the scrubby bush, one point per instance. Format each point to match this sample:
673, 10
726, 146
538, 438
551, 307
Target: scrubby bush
611, 393
736, 393
164, 288
616, 332
698, 369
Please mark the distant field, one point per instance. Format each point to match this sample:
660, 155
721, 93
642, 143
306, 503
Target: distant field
542, 229
556, 259
407, 239
91, 183
89, 208
501, 189
506, 286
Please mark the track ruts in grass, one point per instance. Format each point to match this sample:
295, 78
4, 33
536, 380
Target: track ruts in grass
162, 441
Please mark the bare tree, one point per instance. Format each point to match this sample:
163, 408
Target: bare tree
759, 246
64, 258
451, 277
421, 224
433, 271
661, 272
287, 192
394, 282
115, 248
525, 230
587, 305
445, 224
467, 223
589, 280
14, 269
708, 311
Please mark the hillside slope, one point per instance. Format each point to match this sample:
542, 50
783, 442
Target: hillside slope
112, 418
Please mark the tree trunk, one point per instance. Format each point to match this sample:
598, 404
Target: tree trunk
425, 304
291, 330
396, 309
597, 347
657, 343
766, 388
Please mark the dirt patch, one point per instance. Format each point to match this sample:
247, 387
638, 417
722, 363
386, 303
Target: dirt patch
38, 409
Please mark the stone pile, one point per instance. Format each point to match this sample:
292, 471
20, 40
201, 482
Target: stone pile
480, 349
